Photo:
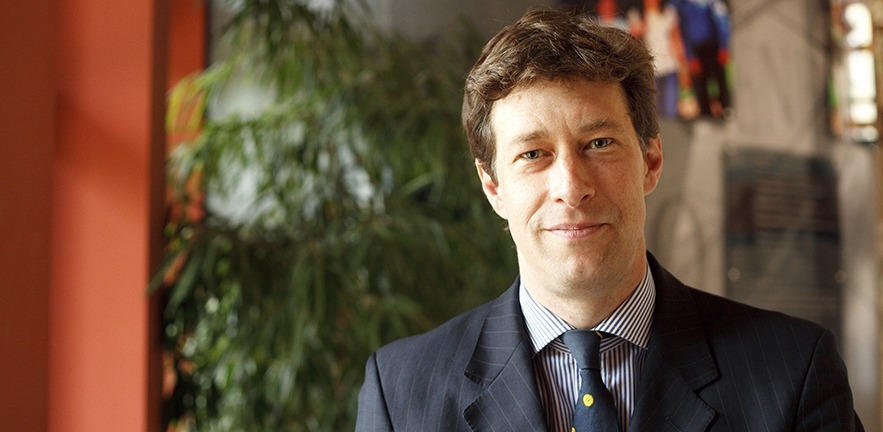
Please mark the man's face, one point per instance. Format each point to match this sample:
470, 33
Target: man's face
571, 182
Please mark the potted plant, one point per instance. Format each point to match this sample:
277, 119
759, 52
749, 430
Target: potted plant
338, 213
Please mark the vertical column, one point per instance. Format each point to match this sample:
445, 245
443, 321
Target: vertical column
27, 128
110, 97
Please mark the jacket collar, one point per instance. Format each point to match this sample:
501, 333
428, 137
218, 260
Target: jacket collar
502, 364
679, 362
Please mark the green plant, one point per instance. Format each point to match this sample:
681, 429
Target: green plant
363, 220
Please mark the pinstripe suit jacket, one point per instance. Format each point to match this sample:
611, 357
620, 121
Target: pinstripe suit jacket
712, 365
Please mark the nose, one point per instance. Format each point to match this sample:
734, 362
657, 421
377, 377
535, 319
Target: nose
569, 181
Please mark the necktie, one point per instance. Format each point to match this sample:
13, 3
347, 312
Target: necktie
594, 410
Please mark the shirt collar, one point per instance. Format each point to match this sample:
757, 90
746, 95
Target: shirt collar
630, 321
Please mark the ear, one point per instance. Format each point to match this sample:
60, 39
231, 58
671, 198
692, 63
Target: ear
491, 189
652, 164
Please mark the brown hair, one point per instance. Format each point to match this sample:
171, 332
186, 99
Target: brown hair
544, 45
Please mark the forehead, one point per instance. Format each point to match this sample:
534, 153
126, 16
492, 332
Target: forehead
549, 105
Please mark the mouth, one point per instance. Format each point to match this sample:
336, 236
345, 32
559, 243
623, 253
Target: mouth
576, 230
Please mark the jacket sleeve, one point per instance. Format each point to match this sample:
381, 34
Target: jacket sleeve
826, 401
373, 413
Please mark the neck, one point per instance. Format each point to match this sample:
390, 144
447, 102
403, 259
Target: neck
583, 313
584, 304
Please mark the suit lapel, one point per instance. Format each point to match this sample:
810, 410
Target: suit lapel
502, 364
679, 363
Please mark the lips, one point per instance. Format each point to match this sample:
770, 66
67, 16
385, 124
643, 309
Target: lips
576, 230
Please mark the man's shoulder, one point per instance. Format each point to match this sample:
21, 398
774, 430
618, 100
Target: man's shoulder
726, 312
757, 334
716, 311
737, 349
453, 341
726, 320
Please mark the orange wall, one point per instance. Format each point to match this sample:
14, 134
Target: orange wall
187, 33
101, 230
27, 133
81, 206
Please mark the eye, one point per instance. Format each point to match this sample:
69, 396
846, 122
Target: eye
600, 143
531, 155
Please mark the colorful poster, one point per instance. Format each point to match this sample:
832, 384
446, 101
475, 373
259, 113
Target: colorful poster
690, 41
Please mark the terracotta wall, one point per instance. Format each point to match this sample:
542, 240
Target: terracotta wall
27, 131
101, 216
81, 205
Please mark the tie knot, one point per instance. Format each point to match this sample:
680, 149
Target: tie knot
585, 347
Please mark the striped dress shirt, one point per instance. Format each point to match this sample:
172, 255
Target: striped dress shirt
622, 355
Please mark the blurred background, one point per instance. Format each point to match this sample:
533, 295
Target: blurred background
212, 212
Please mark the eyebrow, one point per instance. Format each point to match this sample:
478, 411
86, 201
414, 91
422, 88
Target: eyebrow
604, 123
529, 137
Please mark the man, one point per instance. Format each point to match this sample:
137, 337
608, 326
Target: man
560, 119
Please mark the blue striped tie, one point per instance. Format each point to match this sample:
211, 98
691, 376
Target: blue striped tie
594, 410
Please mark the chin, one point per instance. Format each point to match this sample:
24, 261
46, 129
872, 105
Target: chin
580, 272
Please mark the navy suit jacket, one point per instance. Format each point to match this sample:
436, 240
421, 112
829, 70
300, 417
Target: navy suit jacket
712, 365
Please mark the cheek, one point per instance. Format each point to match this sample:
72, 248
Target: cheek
521, 203
626, 188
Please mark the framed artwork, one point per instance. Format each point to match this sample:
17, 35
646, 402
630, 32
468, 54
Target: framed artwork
690, 41
783, 238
